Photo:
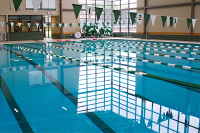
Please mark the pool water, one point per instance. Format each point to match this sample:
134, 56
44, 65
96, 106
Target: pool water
100, 86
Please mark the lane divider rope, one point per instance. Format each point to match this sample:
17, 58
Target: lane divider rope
114, 68
132, 58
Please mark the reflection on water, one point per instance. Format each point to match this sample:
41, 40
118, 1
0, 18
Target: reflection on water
122, 100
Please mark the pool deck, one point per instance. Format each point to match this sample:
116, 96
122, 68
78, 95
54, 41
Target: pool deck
54, 40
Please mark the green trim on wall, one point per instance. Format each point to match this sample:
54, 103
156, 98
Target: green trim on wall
162, 37
20, 36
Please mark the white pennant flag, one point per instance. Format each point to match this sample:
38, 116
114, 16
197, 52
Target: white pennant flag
140, 17
65, 25
108, 13
168, 21
44, 25
36, 4
12, 24
89, 11
74, 24
29, 25
19, 24
193, 22
124, 15
60, 25
2, 24
52, 25
153, 18
37, 24
175, 22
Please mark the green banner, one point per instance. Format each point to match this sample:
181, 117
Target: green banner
16, 4
108, 23
8, 23
25, 24
146, 18
98, 12
77, 9
15, 24
171, 21
40, 25
189, 22
32, 24
116, 14
79, 25
63, 25
57, 25
103, 23
70, 24
133, 16
164, 18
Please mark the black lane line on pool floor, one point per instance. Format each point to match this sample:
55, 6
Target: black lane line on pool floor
91, 115
18, 114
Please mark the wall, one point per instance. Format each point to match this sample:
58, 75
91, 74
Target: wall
178, 11
69, 17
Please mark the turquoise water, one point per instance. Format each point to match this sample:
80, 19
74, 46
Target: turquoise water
42, 93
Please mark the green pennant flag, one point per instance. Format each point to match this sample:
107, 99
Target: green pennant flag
77, 9
146, 18
70, 24
108, 23
164, 18
57, 25
133, 16
25, 24
32, 24
189, 22
63, 25
116, 14
15, 24
171, 21
115, 22
16, 4
79, 25
103, 23
40, 25
8, 23
98, 12
119, 22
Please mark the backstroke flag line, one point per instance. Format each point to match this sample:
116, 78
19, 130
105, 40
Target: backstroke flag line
140, 17
16, 4
124, 15
168, 21
77, 9
175, 22
193, 22
153, 18
108, 13
89, 11
36, 4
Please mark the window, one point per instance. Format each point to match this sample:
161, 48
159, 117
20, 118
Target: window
44, 5
125, 5
24, 19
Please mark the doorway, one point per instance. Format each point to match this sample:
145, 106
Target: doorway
47, 28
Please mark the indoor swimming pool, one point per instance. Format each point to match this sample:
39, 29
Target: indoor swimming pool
113, 85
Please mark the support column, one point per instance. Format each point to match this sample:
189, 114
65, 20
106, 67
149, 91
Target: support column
192, 16
145, 4
112, 15
61, 19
